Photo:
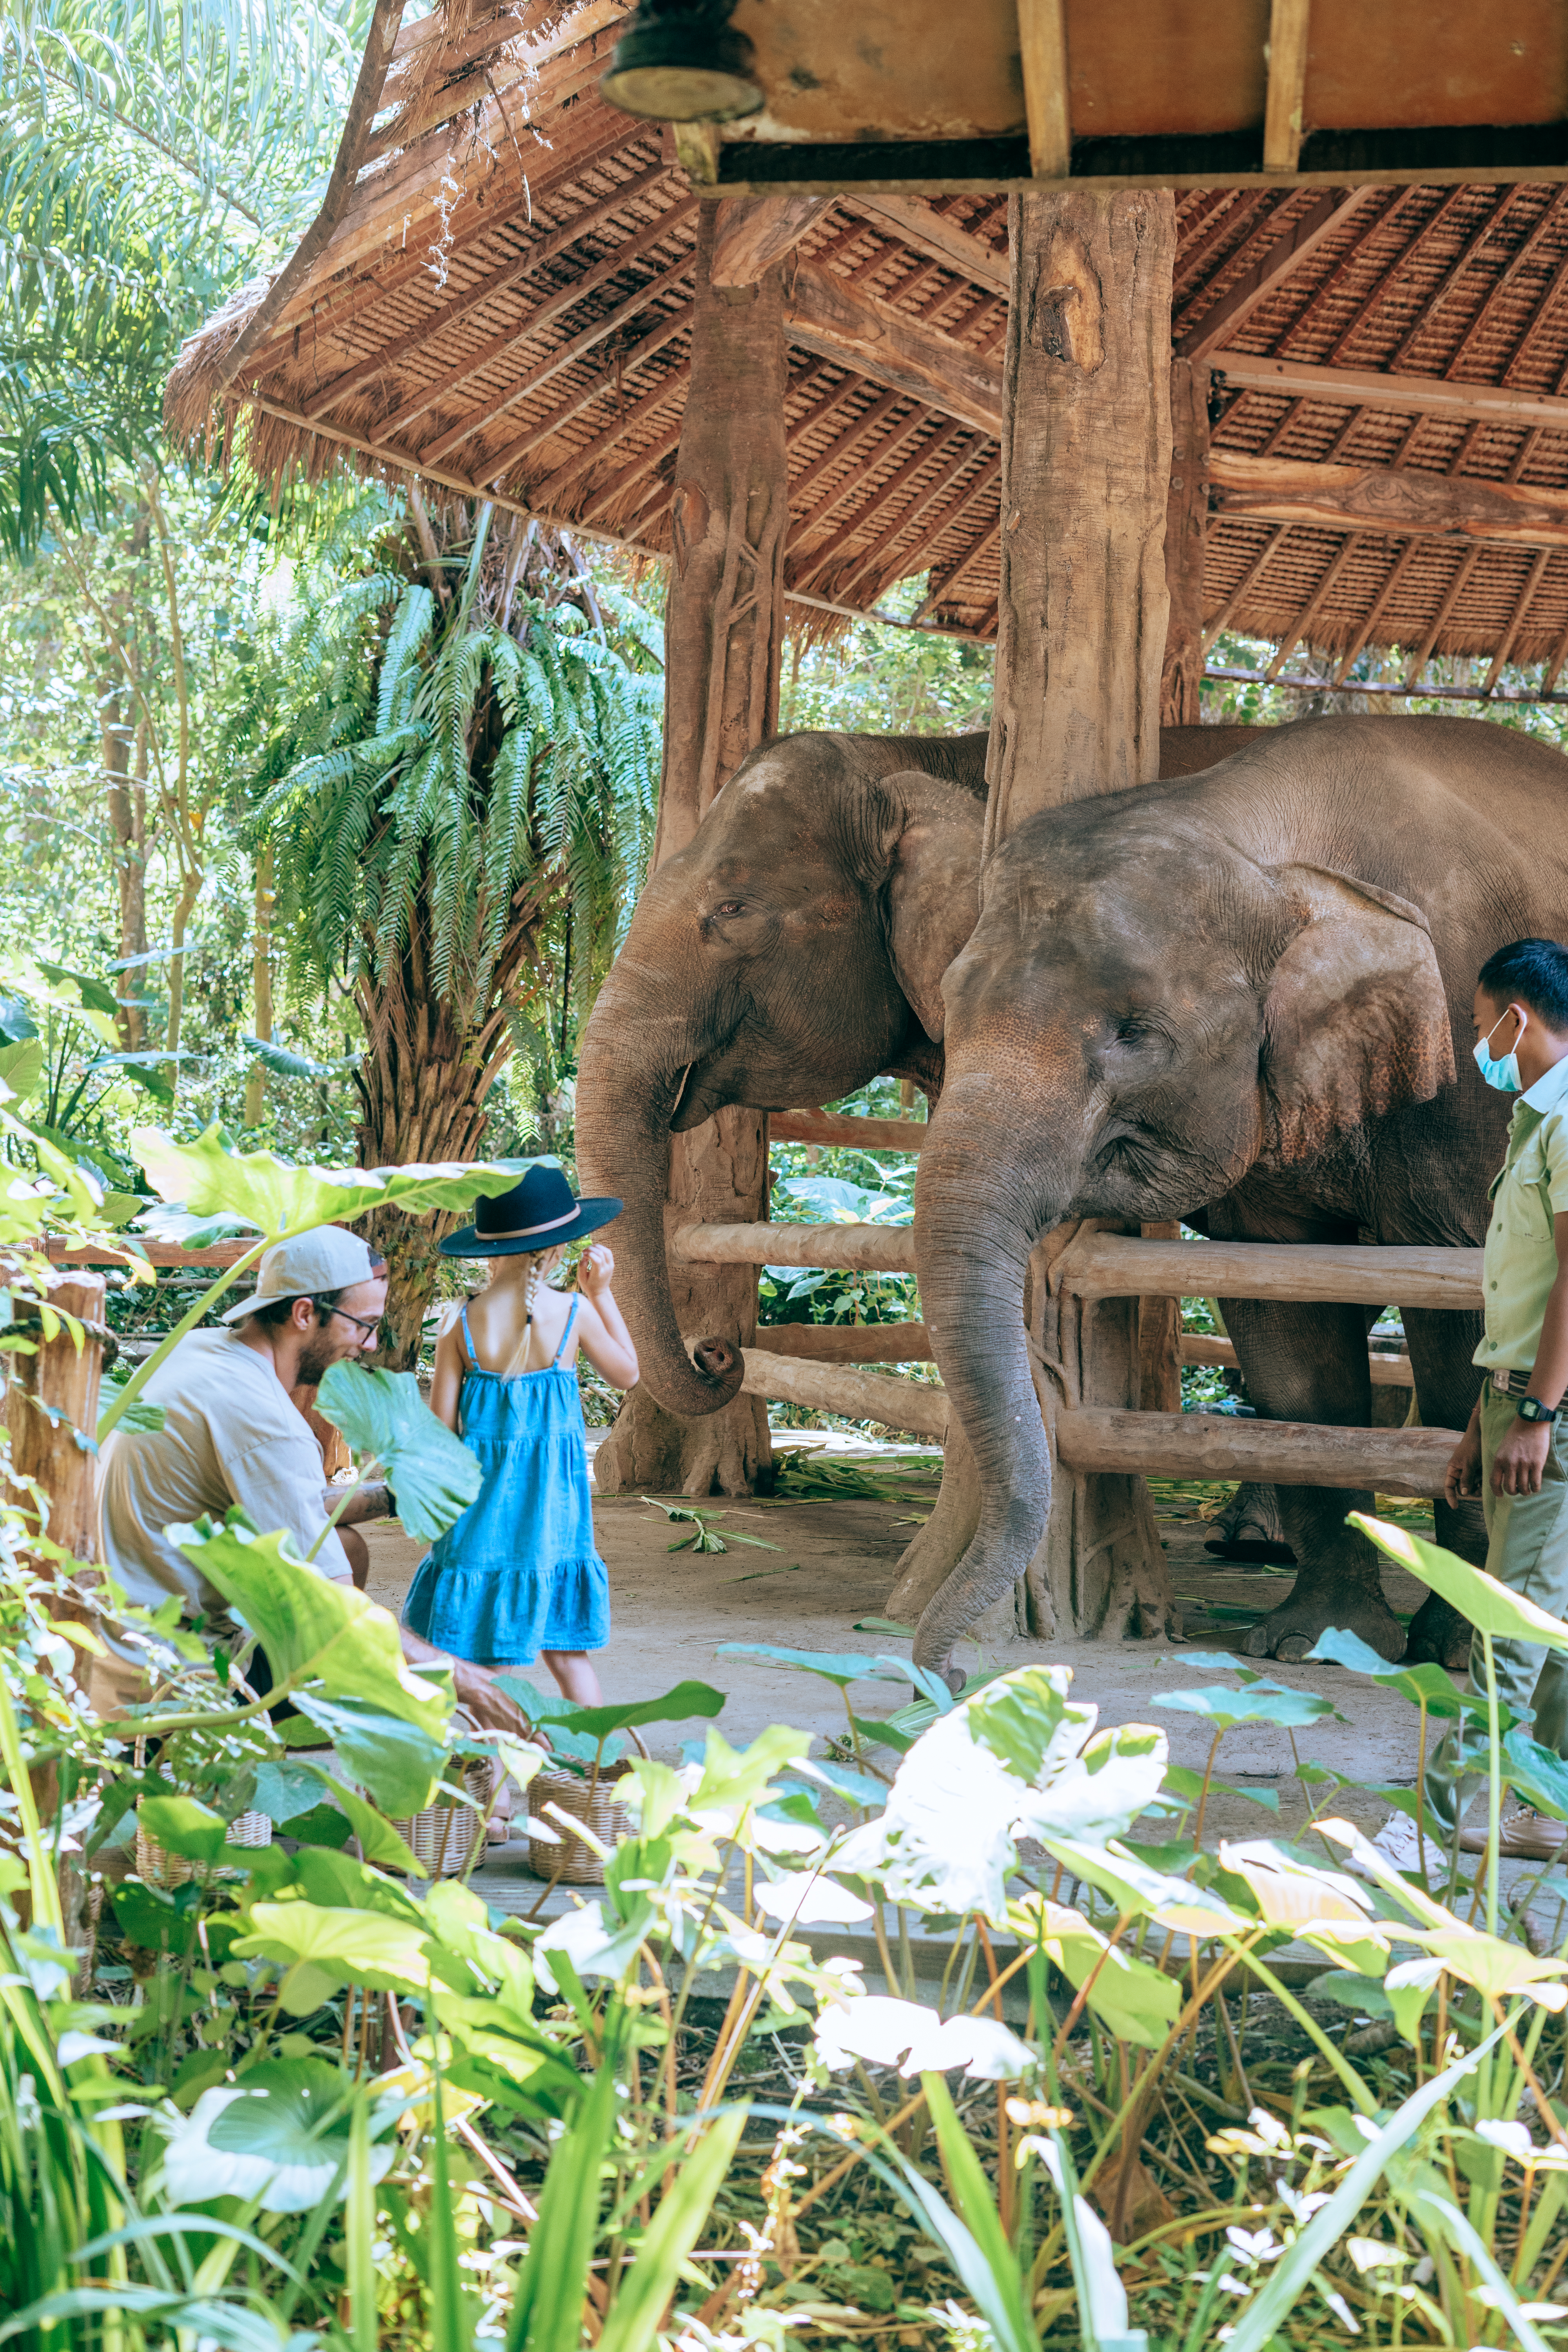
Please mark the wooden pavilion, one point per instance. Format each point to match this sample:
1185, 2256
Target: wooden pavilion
499, 295
1037, 291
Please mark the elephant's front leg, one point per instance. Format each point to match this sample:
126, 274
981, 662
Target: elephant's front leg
1309, 1363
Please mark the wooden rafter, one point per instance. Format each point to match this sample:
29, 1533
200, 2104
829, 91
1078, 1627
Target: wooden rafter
1552, 218
1463, 260
675, 323
549, 493
472, 363
1295, 245
1350, 261
631, 305
646, 463
982, 547
1245, 585
464, 307
1516, 619
1456, 589
805, 522
919, 505
1313, 606
910, 558
1384, 597
932, 233
1397, 271
823, 556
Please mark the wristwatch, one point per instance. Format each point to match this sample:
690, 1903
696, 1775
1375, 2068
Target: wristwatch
1532, 1409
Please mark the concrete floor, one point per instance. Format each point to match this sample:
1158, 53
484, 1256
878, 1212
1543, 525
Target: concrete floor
671, 1611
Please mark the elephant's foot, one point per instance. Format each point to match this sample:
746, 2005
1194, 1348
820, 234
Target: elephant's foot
1317, 1601
1438, 1633
1248, 1530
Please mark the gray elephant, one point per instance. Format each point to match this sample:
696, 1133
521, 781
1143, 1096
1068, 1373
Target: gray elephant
1235, 1000
799, 946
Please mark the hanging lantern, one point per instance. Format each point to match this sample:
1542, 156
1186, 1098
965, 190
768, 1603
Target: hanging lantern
682, 61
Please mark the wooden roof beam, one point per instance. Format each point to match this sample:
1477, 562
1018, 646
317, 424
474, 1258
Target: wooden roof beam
1457, 586
1248, 579
468, 303
882, 342
645, 462
1396, 500
1550, 218
548, 493
473, 363
802, 524
919, 505
878, 493
1516, 620
753, 232
1297, 245
910, 557
1428, 395
1312, 607
1462, 261
666, 330
1043, 55
934, 234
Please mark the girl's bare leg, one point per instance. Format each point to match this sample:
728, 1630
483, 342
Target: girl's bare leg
576, 1677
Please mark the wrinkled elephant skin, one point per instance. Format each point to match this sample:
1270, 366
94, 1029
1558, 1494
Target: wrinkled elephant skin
1242, 1000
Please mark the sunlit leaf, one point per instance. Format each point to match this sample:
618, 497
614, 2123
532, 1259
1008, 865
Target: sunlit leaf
432, 1472
1488, 1606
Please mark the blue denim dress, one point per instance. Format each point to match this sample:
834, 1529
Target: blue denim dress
518, 1573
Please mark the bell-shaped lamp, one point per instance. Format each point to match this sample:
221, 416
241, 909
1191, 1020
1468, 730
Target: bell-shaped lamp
682, 61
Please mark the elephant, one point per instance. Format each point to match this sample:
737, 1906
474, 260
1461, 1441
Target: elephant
1244, 999
806, 939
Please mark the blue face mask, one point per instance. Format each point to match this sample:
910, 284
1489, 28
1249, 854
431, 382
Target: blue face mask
1504, 1074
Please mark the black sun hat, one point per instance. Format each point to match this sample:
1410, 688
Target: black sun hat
537, 1215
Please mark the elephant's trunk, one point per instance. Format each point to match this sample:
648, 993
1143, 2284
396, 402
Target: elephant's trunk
629, 1078
982, 1199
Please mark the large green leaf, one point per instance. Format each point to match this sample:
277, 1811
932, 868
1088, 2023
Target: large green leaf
378, 1841
1489, 1606
278, 2137
432, 1472
677, 1705
207, 1176
1428, 1686
362, 1948
1259, 1704
841, 1668
345, 1649
184, 1827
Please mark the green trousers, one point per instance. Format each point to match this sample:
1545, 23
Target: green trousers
1527, 1549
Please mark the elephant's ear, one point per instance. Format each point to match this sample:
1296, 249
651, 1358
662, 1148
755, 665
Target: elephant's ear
931, 846
1356, 1018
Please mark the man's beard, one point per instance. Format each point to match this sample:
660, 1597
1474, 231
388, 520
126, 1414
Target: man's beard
314, 1361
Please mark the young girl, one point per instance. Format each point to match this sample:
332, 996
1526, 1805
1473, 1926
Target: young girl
517, 1577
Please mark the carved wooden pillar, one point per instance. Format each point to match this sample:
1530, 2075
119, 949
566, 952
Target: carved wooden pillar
1081, 642
51, 1395
723, 640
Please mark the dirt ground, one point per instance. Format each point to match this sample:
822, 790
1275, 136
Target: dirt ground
672, 1612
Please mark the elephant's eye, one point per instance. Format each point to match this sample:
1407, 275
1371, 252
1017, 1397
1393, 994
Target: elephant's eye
731, 906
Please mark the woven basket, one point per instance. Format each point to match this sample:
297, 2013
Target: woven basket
156, 1867
445, 1838
573, 1863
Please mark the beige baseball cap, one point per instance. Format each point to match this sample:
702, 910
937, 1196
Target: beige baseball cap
326, 1258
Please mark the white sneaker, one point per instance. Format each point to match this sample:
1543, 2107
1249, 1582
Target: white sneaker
1396, 1842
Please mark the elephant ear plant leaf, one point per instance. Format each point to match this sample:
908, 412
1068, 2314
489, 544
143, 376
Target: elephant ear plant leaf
210, 1180
382, 1414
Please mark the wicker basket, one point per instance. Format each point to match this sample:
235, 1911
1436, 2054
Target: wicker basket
445, 1838
573, 1863
156, 1867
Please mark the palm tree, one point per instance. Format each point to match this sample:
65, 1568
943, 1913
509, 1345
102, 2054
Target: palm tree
450, 748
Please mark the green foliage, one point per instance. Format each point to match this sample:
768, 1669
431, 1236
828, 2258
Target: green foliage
383, 1414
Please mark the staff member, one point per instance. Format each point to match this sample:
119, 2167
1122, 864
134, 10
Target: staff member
1514, 1453
231, 1435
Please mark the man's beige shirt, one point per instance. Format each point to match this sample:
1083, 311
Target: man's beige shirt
230, 1435
1522, 1250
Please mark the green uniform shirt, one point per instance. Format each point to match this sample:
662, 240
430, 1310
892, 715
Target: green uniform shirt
1521, 1251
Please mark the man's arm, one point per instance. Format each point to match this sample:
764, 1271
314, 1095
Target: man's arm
372, 1501
1520, 1457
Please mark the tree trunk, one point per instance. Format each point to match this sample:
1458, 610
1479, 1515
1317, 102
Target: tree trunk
261, 989
128, 825
1081, 638
1186, 525
422, 1082
723, 642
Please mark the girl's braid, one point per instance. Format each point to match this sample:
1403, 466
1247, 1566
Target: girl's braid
535, 1268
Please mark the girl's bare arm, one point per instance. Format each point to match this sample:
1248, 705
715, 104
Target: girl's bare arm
446, 1387
605, 1341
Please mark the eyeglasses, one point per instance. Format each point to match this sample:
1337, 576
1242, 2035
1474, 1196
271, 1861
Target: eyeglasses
370, 1329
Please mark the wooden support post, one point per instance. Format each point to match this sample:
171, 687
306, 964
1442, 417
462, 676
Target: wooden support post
724, 641
50, 1397
1081, 638
1186, 526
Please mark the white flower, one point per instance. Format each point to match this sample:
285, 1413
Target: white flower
1255, 2245
1513, 2138
902, 2034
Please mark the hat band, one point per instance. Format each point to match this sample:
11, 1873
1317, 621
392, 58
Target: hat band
522, 1233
